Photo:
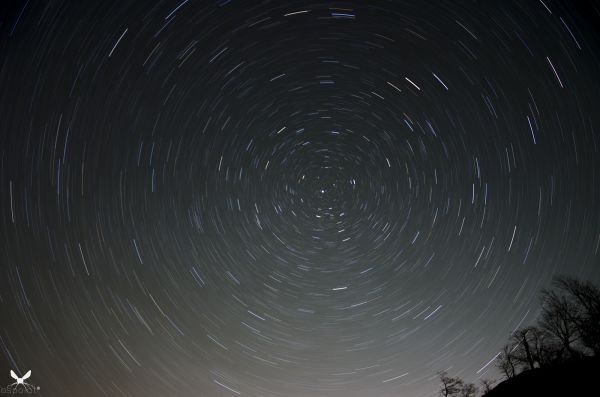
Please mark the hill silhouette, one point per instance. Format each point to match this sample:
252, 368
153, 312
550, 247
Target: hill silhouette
574, 378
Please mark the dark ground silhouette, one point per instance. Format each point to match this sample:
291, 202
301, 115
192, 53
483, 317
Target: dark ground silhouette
569, 379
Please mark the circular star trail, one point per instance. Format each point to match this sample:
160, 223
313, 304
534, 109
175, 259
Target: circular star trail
288, 198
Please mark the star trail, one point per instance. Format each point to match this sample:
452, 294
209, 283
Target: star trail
286, 198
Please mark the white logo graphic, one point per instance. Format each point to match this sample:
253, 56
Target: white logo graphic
20, 386
20, 381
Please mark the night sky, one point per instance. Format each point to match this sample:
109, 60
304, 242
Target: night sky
288, 199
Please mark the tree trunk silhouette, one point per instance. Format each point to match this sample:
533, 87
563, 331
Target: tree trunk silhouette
527, 350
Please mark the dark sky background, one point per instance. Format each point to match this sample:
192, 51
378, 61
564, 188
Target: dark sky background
278, 198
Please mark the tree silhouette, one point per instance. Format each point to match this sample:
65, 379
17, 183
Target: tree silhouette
486, 385
451, 386
557, 319
533, 347
523, 353
468, 390
455, 386
585, 300
506, 361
